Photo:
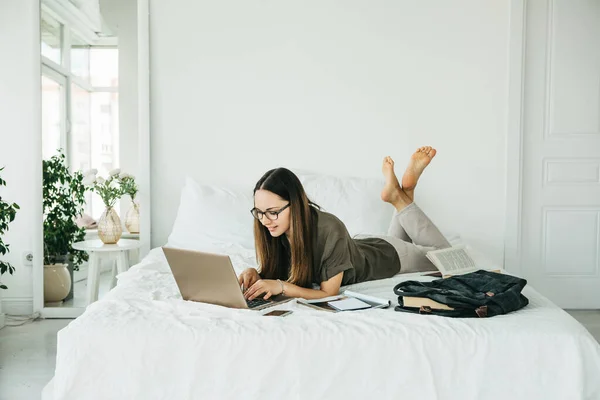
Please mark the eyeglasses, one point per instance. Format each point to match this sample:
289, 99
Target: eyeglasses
272, 215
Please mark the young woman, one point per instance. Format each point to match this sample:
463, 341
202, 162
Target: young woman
299, 247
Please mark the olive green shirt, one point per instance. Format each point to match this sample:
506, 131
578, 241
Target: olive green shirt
359, 259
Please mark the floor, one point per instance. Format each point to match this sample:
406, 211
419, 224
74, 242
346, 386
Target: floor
27, 358
28, 353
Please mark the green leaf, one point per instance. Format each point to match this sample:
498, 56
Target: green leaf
64, 200
7, 215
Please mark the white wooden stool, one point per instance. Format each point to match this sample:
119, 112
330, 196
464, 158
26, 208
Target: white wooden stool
97, 249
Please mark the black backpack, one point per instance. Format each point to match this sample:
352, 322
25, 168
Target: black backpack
477, 294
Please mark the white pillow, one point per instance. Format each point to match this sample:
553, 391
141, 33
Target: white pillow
355, 201
210, 216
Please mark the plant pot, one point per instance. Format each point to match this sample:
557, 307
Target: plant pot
66, 259
109, 226
70, 269
57, 282
132, 218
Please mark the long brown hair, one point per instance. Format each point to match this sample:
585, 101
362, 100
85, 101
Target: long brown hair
275, 254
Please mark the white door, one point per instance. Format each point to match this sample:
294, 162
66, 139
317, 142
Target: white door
560, 212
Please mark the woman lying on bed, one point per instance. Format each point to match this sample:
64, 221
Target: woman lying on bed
298, 245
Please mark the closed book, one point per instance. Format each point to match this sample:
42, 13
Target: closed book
418, 302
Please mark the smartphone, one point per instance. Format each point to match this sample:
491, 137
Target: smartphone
277, 313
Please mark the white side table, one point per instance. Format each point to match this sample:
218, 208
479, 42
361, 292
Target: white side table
97, 249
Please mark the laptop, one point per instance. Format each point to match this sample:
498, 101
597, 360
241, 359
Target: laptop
210, 278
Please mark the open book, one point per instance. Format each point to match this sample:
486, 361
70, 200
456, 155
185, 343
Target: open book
453, 261
347, 301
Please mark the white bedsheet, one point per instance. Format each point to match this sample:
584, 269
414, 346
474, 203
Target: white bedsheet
142, 341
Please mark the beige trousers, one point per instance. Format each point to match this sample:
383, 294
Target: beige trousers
413, 234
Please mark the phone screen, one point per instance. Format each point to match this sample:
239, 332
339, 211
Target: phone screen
277, 313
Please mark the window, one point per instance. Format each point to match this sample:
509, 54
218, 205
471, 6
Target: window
81, 128
52, 38
80, 102
105, 138
80, 57
52, 116
104, 67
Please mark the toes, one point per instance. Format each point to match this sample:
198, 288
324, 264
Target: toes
430, 152
427, 150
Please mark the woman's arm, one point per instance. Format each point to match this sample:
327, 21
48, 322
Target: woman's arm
328, 288
272, 287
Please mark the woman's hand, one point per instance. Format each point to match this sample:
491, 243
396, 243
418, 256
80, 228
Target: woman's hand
248, 278
268, 286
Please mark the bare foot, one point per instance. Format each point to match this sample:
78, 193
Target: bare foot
392, 192
417, 164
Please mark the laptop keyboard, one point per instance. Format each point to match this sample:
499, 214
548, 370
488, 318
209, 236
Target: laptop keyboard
256, 302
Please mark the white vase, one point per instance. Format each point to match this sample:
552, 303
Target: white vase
109, 226
132, 218
57, 282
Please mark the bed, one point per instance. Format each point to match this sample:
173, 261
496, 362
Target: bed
142, 341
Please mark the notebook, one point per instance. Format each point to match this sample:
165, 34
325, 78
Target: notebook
356, 301
348, 304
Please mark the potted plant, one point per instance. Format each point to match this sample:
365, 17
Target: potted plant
7, 215
129, 187
64, 198
109, 189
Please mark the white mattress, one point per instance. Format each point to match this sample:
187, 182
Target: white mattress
142, 341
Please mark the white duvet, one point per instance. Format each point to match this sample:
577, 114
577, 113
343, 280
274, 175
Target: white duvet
142, 341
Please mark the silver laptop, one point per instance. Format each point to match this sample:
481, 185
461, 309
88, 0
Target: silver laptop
210, 278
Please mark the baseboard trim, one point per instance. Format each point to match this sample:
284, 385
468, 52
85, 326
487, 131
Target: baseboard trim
17, 306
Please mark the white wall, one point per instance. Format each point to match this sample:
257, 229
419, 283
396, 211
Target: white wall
240, 87
20, 141
333, 85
